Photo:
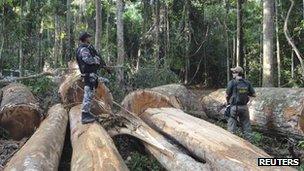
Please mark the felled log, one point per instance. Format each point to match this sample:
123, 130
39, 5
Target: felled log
275, 110
93, 148
19, 111
188, 101
72, 89
14, 79
219, 148
43, 150
169, 155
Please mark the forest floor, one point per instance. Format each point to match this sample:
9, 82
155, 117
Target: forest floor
132, 150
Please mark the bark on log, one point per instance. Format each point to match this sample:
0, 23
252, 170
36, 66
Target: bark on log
188, 101
93, 148
275, 110
71, 92
43, 150
19, 111
221, 149
169, 155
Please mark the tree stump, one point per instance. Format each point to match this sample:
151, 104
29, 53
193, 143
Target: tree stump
43, 150
19, 111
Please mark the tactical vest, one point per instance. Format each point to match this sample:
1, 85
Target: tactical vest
84, 67
240, 94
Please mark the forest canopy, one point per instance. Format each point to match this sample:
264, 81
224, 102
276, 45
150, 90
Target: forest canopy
192, 41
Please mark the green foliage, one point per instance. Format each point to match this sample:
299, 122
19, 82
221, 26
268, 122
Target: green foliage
140, 162
257, 138
148, 77
301, 144
39, 85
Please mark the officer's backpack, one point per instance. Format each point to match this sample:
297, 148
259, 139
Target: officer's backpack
240, 92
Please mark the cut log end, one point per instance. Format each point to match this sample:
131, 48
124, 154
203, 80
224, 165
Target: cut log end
43, 150
72, 90
19, 111
138, 101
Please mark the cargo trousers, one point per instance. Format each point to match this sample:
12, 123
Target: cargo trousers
241, 113
91, 83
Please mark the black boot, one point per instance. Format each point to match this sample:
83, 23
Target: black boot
87, 118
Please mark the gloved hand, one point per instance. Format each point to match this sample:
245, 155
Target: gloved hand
97, 60
104, 80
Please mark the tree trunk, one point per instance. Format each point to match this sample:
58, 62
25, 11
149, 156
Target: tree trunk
71, 92
278, 42
219, 148
292, 65
275, 110
290, 40
56, 51
227, 41
43, 150
201, 138
268, 30
187, 40
68, 30
98, 19
107, 36
168, 50
240, 35
120, 42
20, 59
156, 13
19, 111
93, 148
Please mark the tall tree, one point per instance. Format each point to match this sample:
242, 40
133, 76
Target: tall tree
278, 42
56, 49
187, 39
156, 29
120, 42
68, 29
290, 40
226, 6
268, 30
21, 59
240, 35
98, 25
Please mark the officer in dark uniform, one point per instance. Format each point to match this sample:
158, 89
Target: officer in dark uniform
89, 62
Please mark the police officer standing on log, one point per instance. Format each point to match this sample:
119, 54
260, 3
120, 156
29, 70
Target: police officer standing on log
89, 63
238, 92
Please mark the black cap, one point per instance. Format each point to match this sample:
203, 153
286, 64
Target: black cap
84, 35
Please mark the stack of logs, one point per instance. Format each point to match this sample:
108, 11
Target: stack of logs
157, 117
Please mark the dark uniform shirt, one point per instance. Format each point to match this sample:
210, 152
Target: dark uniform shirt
230, 89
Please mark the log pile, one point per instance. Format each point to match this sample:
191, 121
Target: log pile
43, 150
275, 110
219, 148
93, 148
19, 111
